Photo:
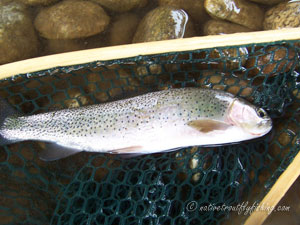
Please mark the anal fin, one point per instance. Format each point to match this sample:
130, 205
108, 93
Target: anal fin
127, 150
54, 152
132, 152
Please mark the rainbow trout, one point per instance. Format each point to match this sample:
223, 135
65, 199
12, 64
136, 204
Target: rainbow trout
150, 123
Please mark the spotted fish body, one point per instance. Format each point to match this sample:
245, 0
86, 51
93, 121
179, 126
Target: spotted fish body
149, 123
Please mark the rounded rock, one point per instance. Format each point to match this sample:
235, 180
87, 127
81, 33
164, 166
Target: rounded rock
38, 2
123, 28
55, 46
237, 11
121, 5
214, 27
71, 19
164, 23
18, 39
268, 2
283, 15
195, 8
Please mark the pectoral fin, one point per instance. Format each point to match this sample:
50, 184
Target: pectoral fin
207, 125
54, 152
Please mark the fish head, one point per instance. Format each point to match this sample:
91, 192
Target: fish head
251, 119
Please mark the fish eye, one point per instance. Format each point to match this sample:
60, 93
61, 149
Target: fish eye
261, 113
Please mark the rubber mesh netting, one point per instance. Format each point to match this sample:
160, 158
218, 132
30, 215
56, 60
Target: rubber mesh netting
166, 188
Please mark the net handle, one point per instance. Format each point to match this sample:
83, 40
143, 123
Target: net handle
279, 189
149, 48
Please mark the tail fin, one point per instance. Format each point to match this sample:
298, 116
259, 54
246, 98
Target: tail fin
5, 111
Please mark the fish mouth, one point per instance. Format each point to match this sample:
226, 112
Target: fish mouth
265, 125
255, 128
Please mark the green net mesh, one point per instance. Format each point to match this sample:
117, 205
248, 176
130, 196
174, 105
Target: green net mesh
167, 188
